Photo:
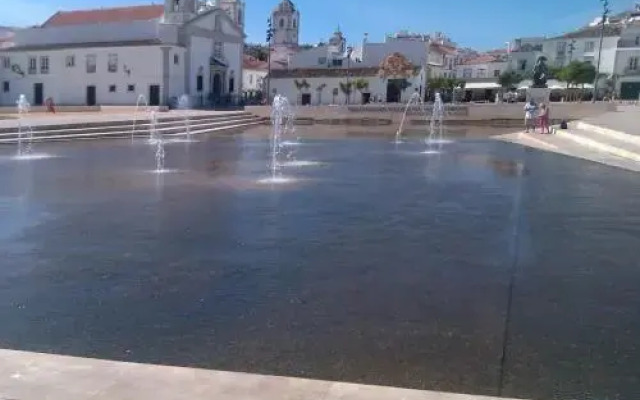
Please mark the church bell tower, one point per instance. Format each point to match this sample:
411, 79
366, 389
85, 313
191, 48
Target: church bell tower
285, 20
179, 11
235, 10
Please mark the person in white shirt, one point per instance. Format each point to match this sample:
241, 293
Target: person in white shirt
529, 116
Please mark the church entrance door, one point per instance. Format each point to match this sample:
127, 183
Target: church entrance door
91, 95
154, 95
216, 90
38, 94
393, 91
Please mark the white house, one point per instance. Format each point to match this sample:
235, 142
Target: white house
254, 73
627, 70
318, 75
112, 55
321, 86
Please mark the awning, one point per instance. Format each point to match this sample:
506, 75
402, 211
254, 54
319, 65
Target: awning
481, 85
553, 84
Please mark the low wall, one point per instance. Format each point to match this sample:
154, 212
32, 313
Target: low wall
61, 109
463, 114
79, 109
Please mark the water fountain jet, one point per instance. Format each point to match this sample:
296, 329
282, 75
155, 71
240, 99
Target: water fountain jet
415, 99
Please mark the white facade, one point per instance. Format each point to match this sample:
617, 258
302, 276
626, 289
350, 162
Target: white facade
112, 63
325, 90
253, 79
559, 53
483, 70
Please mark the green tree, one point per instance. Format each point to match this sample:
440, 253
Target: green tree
361, 84
319, 89
258, 51
509, 79
347, 89
579, 73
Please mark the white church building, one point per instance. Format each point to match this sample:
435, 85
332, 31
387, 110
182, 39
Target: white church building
110, 56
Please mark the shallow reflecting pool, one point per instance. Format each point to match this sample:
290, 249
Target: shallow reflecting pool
485, 268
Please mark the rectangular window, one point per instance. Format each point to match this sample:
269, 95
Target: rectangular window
322, 60
5, 86
176, 59
482, 73
496, 73
112, 88
589, 47
522, 65
633, 63
131, 88
33, 65
336, 62
44, 65
637, 40
71, 61
467, 73
251, 79
112, 64
561, 48
6, 62
91, 64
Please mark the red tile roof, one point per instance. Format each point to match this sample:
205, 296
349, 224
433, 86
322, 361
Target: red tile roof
444, 49
250, 62
105, 15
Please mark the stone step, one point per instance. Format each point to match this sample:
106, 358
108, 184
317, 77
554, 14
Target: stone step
201, 129
140, 118
141, 128
614, 145
562, 144
631, 137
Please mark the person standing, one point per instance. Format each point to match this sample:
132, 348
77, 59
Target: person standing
544, 118
529, 116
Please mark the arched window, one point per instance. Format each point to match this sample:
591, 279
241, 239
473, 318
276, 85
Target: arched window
281, 22
295, 23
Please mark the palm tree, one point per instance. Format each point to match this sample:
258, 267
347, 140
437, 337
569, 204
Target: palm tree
319, 90
346, 88
301, 85
361, 85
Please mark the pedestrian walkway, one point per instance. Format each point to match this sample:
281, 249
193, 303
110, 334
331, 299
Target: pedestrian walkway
26, 376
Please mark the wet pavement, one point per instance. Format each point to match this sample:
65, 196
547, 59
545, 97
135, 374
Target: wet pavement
487, 269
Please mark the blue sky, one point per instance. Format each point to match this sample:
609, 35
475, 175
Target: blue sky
482, 24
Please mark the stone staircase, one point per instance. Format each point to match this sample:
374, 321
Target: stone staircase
586, 141
614, 143
169, 126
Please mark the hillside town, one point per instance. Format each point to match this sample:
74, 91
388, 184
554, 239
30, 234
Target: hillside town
198, 48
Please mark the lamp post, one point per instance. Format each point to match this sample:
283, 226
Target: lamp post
269, 38
349, 52
605, 14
